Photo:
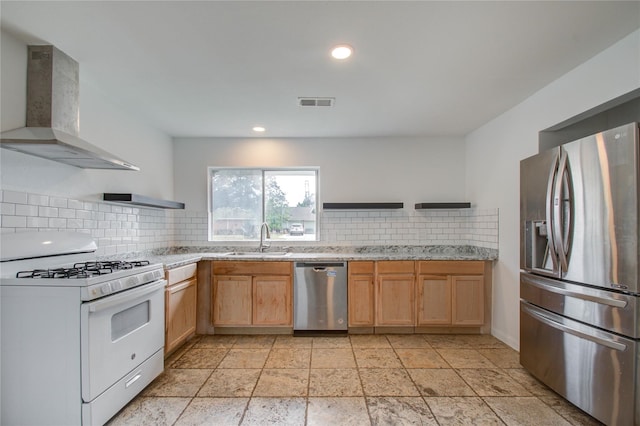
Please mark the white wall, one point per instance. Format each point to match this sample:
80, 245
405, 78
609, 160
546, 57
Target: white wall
102, 123
411, 170
494, 151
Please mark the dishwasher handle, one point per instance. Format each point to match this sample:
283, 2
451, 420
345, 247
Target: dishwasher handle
316, 265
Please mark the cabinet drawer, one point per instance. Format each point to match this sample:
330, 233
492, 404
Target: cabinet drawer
396, 267
451, 267
180, 313
360, 267
180, 274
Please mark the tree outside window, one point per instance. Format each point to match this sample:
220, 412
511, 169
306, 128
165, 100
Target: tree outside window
242, 199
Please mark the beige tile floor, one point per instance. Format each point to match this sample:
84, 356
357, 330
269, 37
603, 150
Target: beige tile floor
347, 380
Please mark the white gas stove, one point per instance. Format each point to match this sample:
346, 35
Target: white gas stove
80, 337
66, 259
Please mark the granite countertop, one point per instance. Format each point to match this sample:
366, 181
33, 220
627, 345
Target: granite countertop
180, 256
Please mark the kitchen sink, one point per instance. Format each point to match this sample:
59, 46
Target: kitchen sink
257, 254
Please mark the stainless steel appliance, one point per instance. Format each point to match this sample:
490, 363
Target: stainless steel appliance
320, 297
80, 338
579, 287
52, 127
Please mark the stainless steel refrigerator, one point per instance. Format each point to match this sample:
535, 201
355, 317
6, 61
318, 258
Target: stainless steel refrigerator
579, 289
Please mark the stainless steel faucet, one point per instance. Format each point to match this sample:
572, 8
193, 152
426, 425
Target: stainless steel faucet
263, 245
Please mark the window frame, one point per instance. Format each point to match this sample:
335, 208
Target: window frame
263, 171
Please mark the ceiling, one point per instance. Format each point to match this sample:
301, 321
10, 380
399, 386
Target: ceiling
420, 68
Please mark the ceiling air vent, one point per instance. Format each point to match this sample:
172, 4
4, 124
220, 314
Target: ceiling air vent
316, 102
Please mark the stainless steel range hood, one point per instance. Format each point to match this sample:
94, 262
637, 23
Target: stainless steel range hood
52, 115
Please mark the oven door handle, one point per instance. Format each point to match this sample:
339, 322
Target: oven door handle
117, 299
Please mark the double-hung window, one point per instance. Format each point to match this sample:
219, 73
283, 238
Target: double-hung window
242, 199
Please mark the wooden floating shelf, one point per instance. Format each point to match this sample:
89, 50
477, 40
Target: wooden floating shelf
361, 206
141, 200
422, 206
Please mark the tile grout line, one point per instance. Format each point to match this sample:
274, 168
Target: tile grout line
246, 408
364, 394
501, 365
420, 395
306, 407
191, 346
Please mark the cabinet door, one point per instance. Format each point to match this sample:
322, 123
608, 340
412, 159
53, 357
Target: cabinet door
468, 300
180, 313
231, 300
361, 300
434, 300
395, 300
272, 300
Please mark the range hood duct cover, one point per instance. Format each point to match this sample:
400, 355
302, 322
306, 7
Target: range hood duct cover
52, 115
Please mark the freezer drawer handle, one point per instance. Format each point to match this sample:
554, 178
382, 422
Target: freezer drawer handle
601, 300
604, 342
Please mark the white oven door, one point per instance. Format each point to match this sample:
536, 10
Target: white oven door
118, 333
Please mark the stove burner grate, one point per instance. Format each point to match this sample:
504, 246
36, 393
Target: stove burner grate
83, 270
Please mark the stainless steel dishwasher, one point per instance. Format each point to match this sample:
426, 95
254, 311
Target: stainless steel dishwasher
320, 298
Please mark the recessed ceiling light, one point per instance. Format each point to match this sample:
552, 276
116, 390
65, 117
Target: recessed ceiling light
342, 51
259, 129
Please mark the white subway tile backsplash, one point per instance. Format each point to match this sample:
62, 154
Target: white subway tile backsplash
14, 221
48, 212
57, 223
67, 213
14, 197
75, 204
38, 200
36, 222
74, 223
122, 229
26, 210
9, 209
448, 227
58, 202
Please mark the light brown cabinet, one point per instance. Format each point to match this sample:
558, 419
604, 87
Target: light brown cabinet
252, 293
434, 300
180, 305
361, 294
451, 293
272, 300
232, 300
395, 293
467, 297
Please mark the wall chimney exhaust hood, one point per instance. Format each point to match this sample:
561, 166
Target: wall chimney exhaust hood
52, 115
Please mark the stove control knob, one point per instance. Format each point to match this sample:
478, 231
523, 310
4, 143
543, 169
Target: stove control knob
116, 285
105, 289
132, 282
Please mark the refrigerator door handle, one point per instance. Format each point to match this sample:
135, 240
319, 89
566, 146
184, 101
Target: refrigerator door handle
558, 219
557, 325
551, 244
